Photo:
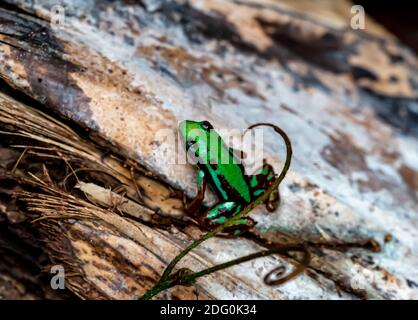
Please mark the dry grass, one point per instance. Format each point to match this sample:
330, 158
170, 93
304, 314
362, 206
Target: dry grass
40, 136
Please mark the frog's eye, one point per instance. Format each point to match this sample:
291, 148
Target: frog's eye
206, 125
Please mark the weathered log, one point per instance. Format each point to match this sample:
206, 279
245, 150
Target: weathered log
123, 71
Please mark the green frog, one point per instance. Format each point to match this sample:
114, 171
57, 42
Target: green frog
219, 166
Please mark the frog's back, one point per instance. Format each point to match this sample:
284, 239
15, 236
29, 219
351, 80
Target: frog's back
227, 175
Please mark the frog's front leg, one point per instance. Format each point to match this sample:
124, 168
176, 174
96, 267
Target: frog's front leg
192, 207
259, 183
221, 212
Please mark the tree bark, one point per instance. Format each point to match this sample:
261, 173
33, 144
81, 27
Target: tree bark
87, 98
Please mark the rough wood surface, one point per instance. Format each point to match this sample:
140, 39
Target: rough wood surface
348, 100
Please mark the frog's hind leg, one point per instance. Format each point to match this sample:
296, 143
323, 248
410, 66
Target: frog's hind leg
219, 213
259, 183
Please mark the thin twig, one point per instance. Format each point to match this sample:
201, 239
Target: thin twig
18, 161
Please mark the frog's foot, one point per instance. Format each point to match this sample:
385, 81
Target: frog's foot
242, 226
259, 183
273, 201
221, 212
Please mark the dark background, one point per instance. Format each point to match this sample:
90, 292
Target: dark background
398, 16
